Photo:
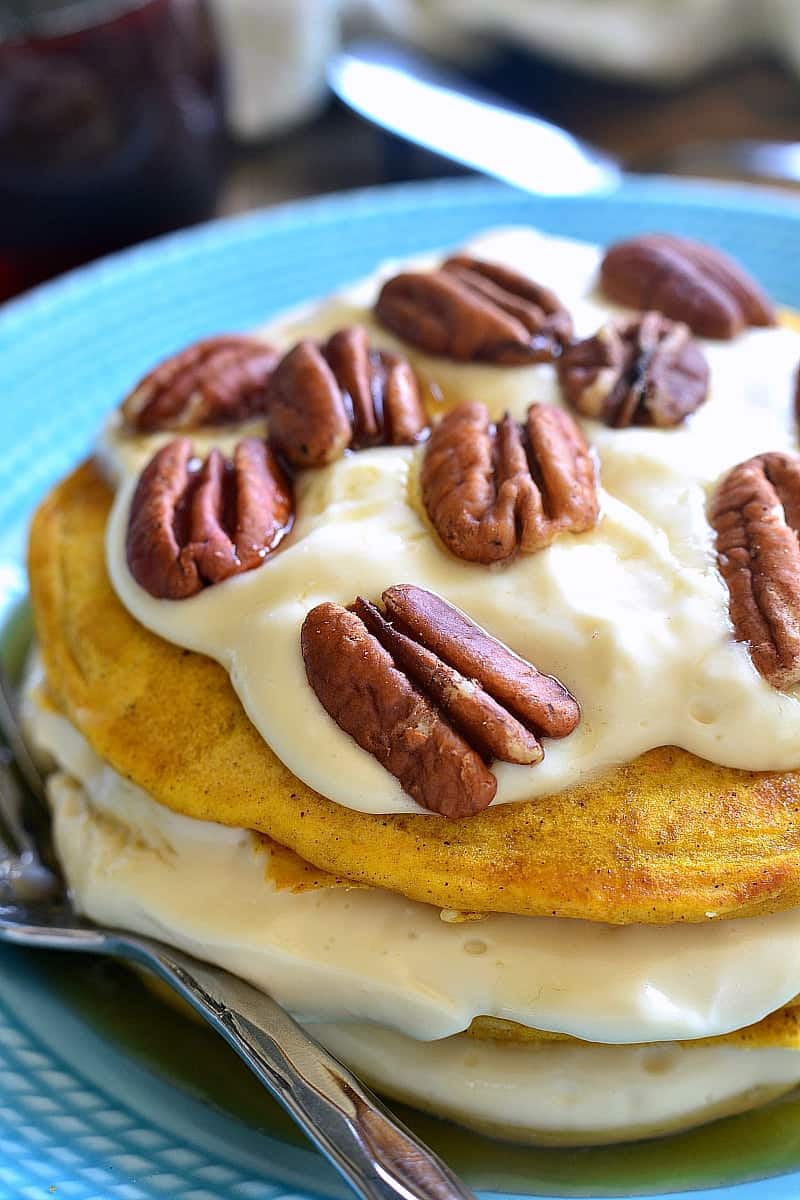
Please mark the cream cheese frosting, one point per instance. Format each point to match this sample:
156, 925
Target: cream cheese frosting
374, 977
367, 955
631, 616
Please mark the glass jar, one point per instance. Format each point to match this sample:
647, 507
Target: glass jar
111, 128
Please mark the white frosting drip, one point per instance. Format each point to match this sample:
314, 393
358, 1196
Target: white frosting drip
369, 955
632, 616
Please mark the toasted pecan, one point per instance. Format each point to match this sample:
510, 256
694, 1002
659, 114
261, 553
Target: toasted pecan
686, 280
641, 371
755, 512
193, 524
490, 490
540, 701
486, 725
323, 399
358, 684
217, 381
473, 310
420, 685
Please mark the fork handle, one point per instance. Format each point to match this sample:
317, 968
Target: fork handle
378, 1156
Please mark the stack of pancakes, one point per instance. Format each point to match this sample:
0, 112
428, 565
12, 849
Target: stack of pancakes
643, 916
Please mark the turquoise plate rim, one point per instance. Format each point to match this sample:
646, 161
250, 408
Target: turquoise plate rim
57, 329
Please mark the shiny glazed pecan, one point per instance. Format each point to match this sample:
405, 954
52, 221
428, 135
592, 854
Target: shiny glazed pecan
755, 513
492, 489
431, 695
322, 399
214, 382
643, 371
539, 700
686, 280
472, 310
193, 524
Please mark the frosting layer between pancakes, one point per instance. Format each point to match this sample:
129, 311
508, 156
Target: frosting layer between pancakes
133, 863
334, 954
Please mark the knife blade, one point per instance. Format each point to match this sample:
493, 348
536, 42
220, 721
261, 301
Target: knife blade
434, 108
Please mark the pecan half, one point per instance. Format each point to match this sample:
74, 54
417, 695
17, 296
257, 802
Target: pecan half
193, 523
431, 695
538, 700
644, 371
686, 280
475, 311
492, 489
755, 512
485, 723
214, 382
322, 399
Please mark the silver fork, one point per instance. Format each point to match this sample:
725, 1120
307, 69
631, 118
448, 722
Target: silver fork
378, 1156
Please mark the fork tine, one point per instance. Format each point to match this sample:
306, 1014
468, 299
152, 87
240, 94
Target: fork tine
28, 864
11, 809
24, 877
9, 725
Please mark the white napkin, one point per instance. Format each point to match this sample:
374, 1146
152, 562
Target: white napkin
275, 50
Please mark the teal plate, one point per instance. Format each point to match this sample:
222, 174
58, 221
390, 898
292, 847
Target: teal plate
103, 1091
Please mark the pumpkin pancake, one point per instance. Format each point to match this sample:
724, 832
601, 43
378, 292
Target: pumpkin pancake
665, 838
780, 1028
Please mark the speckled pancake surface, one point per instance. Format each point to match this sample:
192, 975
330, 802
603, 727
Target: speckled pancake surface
665, 838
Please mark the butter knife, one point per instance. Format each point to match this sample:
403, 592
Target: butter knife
418, 100
426, 104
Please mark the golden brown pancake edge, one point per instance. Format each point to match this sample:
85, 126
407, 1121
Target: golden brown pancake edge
666, 838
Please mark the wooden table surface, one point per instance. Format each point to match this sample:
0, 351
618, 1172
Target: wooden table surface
754, 97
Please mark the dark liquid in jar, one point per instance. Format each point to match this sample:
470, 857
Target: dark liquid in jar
110, 130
